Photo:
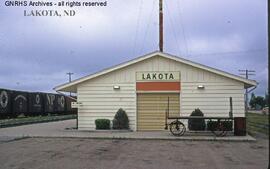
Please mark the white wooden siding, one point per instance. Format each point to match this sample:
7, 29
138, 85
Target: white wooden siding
101, 101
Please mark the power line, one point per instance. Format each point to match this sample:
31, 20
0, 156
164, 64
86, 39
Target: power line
229, 52
160, 25
147, 27
173, 30
69, 78
69, 75
182, 27
246, 73
137, 26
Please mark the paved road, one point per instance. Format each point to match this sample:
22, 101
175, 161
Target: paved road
41, 129
79, 153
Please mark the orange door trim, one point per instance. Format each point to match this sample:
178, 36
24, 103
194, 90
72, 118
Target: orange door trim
158, 86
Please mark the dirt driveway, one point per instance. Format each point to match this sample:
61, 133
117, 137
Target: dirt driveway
79, 153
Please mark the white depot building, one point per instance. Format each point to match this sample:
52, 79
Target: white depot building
142, 87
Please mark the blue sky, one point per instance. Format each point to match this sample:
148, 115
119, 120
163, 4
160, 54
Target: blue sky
37, 52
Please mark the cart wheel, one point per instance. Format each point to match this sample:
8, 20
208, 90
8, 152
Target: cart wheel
219, 131
177, 128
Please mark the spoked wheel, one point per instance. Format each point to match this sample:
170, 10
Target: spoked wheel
219, 130
177, 128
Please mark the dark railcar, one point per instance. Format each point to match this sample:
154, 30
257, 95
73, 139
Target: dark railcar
5, 103
36, 103
49, 103
19, 103
70, 110
60, 104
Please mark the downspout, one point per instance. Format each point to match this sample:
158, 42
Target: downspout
252, 89
247, 100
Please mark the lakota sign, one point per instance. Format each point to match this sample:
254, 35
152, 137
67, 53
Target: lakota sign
158, 76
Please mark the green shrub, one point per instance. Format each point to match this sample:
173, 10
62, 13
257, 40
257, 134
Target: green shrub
213, 124
102, 124
120, 120
196, 124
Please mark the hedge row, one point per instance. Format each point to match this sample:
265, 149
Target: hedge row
120, 121
200, 125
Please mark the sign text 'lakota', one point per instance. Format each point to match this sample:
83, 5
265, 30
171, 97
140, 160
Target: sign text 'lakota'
157, 76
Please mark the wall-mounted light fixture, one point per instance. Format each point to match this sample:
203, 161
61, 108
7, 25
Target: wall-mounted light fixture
116, 87
200, 87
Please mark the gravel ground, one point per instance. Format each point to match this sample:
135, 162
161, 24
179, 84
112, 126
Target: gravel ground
76, 153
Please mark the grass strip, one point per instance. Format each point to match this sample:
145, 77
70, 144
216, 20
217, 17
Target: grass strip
258, 123
31, 120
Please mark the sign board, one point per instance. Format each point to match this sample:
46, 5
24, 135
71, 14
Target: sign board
75, 104
158, 76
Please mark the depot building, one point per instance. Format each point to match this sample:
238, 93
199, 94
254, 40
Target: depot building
142, 87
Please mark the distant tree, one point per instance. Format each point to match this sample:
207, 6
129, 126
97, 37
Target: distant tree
260, 101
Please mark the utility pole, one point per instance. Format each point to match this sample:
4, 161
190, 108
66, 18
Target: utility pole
246, 73
70, 74
160, 26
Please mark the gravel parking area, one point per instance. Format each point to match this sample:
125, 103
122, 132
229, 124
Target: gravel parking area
44, 153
